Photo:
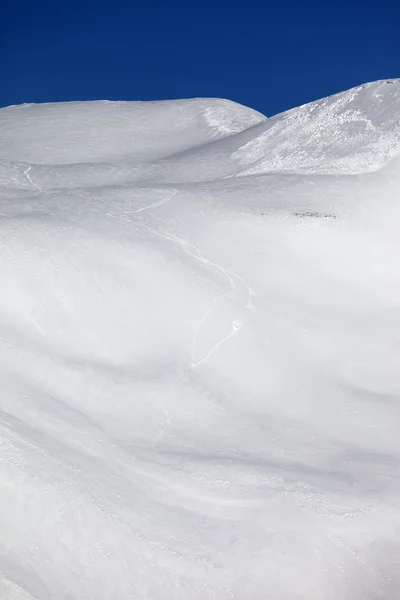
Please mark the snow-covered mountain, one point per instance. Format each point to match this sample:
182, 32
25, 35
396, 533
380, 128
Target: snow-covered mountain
199, 350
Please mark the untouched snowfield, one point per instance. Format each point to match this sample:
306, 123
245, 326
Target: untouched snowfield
200, 350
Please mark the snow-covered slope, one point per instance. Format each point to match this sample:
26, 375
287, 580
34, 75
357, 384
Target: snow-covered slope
199, 350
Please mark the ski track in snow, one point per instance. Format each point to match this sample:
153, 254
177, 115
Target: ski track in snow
157, 204
236, 324
29, 178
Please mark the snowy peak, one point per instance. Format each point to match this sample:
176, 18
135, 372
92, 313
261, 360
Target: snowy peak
351, 132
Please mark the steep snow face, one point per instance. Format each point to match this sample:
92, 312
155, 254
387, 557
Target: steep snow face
351, 132
199, 350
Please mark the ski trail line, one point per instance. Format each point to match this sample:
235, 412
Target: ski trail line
160, 203
26, 173
236, 324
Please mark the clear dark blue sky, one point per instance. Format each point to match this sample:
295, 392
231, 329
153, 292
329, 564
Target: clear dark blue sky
268, 55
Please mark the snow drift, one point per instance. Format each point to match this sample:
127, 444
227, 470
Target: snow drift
199, 350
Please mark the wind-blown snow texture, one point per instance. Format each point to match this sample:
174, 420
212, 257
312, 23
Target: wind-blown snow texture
199, 350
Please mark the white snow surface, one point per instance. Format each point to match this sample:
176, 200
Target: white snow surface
199, 350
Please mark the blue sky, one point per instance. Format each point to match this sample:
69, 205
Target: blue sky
268, 55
